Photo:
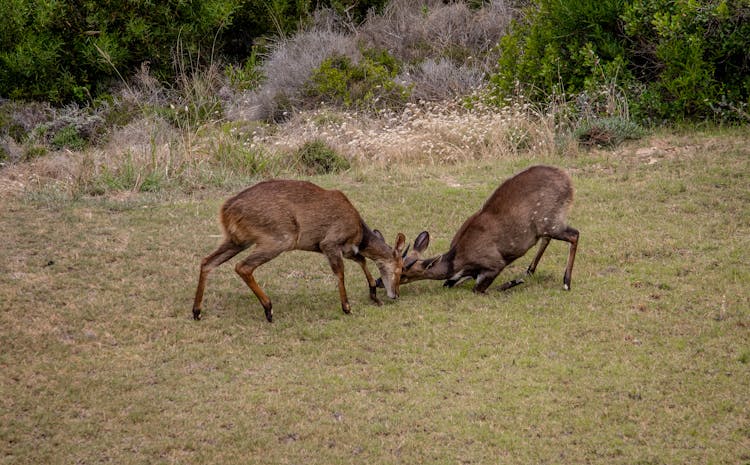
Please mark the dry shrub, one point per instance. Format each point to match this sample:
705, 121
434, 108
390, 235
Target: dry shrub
26, 116
434, 80
415, 31
143, 89
287, 69
447, 47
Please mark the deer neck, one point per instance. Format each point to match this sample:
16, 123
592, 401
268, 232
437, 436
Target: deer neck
373, 247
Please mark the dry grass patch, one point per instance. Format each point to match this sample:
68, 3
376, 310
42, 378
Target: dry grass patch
429, 134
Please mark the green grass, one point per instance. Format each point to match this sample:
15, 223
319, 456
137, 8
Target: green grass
645, 361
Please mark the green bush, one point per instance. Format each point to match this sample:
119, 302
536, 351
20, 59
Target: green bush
241, 159
692, 57
317, 157
68, 50
33, 151
367, 85
559, 46
249, 76
607, 132
60, 51
675, 59
68, 138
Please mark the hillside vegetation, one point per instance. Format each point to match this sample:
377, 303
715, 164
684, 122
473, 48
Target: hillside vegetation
132, 101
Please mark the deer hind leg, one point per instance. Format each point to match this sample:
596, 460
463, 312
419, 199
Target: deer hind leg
370, 280
336, 260
245, 269
569, 235
226, 250
542, 247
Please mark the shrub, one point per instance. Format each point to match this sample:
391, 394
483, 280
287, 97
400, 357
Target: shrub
68, 138
241, 159
68, 50
692, 57
675, 59
607, 132
249, 76
416, 31
435, 80
39, 124
287, 70
558, 47
317, 157
366, 85
33, 151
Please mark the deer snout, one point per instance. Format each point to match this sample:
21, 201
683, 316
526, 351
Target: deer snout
391, 293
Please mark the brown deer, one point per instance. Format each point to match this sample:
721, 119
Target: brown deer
281, 215
530, 206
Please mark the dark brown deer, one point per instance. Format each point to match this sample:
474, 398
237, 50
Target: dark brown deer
530, 206
281, 215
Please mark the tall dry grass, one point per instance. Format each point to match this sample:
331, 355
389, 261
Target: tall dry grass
428, 133
150, 154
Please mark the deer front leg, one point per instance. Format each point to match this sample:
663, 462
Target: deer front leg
370, 280
543, 243
484, 279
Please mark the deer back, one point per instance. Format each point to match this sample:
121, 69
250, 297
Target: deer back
531, 204
297, 212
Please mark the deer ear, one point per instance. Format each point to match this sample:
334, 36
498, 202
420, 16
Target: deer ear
410, 262
421, 242
400, 241
378, 234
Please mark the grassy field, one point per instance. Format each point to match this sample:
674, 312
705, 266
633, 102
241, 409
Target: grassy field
645, 361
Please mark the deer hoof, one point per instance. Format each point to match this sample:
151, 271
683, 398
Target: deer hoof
269, 313
374, 295
196, 314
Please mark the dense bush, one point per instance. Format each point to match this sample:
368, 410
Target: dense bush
675, 58
317, 157
433, 29
558, 46
68, 50
435, 51
367, 85
693, 57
